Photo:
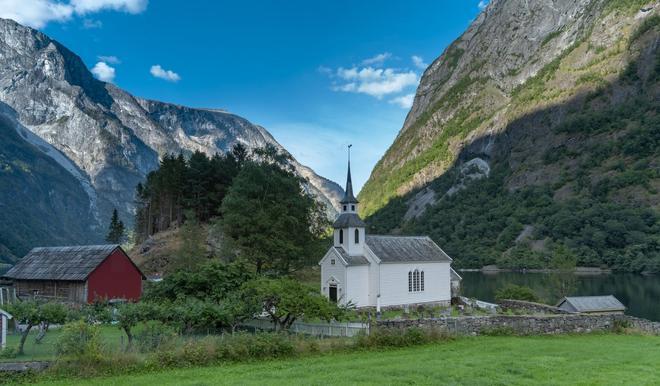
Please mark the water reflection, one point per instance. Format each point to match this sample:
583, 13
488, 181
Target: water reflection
641, 294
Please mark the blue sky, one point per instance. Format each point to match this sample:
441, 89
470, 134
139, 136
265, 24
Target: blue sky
317, 74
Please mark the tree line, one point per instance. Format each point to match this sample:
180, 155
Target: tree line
253, 200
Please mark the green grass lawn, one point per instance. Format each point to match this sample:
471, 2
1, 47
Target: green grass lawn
584, 359
46, 349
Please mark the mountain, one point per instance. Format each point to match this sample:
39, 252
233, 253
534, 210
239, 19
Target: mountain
535, 134
105, 138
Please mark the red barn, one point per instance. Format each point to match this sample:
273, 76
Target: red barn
77, 274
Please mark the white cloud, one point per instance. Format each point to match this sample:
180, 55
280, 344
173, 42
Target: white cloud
483, 4
378, 59
103, 72
35, 13
109, 59
159, 72
376, 82
91, 23
83, 7
38, 13
404, 101
419, 62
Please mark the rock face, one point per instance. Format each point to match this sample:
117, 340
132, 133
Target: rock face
107, 138
518, 56
543, 116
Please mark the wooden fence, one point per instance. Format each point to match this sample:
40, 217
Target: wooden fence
314, 329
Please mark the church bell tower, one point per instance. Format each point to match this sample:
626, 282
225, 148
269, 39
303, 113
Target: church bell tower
349, 229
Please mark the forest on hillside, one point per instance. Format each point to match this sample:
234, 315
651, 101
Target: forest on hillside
252, 201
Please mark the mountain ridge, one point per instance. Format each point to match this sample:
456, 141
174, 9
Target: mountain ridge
113, 137
538, 102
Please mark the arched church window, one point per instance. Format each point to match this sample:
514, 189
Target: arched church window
410, 281
353, 208
416, 281
421, 281
344, 208
341, 236
357, 236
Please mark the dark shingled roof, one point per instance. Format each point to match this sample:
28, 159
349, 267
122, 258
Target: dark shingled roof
352, 260
346, 220
592, 303
397, 249
60, 263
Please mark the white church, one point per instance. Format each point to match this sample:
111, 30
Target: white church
383, 271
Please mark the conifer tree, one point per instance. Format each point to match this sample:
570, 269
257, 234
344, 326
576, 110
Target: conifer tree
115, 230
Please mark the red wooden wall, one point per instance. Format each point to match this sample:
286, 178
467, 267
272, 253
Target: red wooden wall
115, 278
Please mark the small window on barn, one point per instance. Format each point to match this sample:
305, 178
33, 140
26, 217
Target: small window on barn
332, 262
341, 236
357, 236
410, 281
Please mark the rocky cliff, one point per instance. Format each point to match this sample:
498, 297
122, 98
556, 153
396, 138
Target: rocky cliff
538, 126
106, 138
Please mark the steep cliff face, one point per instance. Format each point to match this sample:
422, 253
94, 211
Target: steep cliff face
540, 110
112, 138
484, 81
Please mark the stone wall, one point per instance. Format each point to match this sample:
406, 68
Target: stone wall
529, 307
642, 325
526, 324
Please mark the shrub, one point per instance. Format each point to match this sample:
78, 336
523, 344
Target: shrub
154, 334
516, 292
80, 341
392, 337
8, 353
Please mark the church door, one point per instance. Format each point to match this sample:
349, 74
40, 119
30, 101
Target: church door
333, 293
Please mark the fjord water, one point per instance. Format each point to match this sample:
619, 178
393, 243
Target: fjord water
641, 294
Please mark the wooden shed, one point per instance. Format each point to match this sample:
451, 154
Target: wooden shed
80, 274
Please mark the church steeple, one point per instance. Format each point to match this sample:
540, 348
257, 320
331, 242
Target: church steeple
349, 198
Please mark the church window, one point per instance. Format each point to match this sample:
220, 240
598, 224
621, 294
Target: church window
344, 208
357, 236
416, 281
421, 281
353, 208
332, 262
341, 236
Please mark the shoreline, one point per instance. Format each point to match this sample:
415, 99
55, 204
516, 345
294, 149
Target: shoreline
577, 271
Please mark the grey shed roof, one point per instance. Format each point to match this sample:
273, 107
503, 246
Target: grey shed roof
346, 220
60, 263
592, 303
397, 249
352, 260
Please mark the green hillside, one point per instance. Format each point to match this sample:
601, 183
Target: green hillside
574, 166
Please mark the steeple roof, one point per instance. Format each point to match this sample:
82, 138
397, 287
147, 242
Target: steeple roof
349, 198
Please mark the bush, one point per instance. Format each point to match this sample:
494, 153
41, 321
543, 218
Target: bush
154, 334
9, 353
80, 341
516, 292
393, 337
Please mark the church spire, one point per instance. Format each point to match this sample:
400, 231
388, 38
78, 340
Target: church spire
349, 198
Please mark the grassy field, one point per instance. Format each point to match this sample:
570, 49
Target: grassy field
585, 359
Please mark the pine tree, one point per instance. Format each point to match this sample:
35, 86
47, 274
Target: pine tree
115, 230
